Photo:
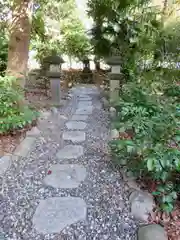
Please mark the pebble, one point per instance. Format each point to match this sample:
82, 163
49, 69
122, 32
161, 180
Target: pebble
99, 208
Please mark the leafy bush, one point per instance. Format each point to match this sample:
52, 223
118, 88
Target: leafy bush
14, 113
147, 111
173, 91
149, 140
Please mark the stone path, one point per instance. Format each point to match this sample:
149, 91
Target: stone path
65, 187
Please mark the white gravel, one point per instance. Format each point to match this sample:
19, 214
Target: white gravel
103, 190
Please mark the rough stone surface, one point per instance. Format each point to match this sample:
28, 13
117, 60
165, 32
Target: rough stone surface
76, 125
86, 110
65, 176
34, 132
79, 117
74, 136
70, 151
114, 134
84, 103
54, 110
45, 114
24, 147
98, 106
5, 163
2, 237
105, 103
112, 111
103, 190
152, 232
84, 98
141, 205
54, 214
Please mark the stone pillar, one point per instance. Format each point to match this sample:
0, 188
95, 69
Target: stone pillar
114, 77
86, 75
54, 74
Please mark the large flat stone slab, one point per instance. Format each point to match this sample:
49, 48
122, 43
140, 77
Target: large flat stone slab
65, 176
98, 106
84, 101
84, 95
142, 204
84, 104
76, 125
70, 152
5, 163
34, 132
74, 136
2, 236
25, 146
84, 110
79, 117
154, 231
85, 98
54, 214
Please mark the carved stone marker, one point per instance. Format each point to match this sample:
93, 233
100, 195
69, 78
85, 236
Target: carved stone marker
54, 74
115, 77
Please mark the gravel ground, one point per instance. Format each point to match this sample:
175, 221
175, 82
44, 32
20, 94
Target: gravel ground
103, 190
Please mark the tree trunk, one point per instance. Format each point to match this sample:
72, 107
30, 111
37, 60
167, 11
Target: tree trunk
20, 30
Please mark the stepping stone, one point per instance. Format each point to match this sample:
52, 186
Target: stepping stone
98, 106
79, 117
84, 95
141, 204
70, 152
152, 231
87, 110
84, 104
2, 236
34, 132
74, 136
76, 125
25, 146
85, 99
54, 214
66, 176
5, 163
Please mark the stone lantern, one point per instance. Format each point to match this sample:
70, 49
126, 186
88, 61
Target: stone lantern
115, 77
54, 63
86, 73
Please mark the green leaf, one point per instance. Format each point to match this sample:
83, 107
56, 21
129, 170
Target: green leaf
167, 199
167, 207
130, 149
129, 142
156, 193
177, 138
150, 164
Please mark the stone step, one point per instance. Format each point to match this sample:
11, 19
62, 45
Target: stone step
65, 176
85, 110
76, 125
70, 152
54, 214
79, 117
74, 136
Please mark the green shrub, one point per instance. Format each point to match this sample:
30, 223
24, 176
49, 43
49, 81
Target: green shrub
173, 91
151, 143
14, 114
